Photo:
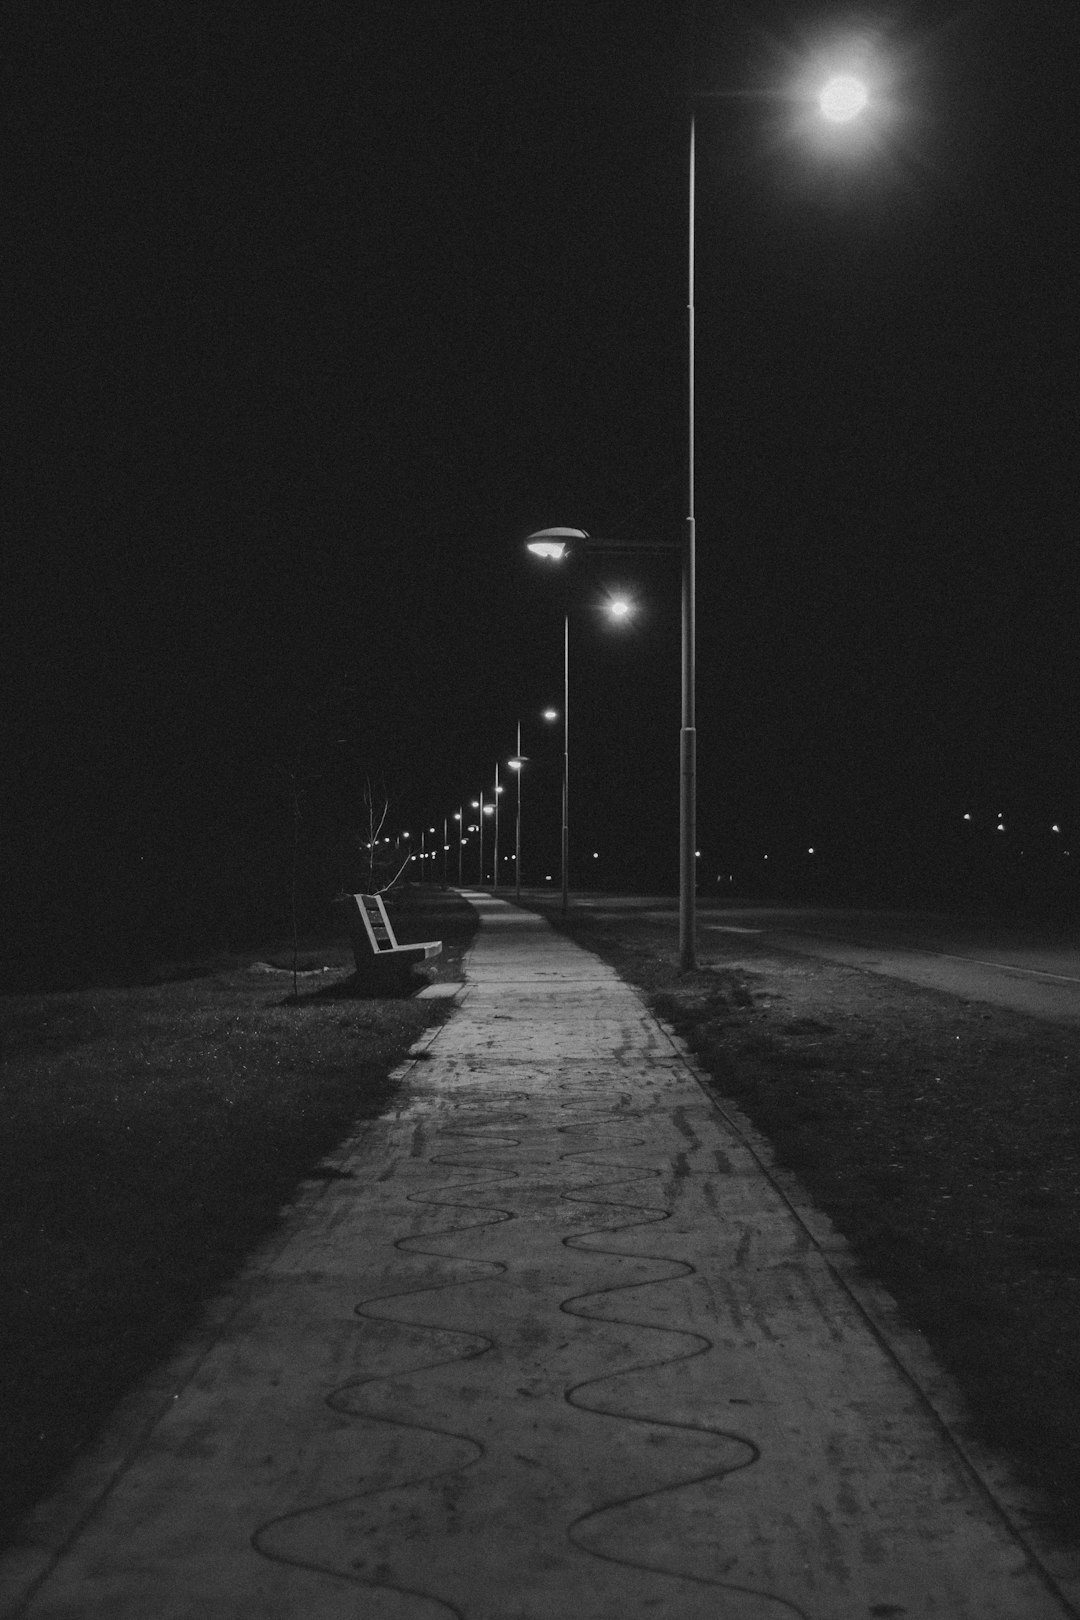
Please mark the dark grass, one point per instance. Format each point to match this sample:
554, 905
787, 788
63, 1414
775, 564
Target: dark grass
942, 1139
151, 1136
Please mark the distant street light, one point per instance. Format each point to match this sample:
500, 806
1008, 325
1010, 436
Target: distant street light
478, 804
554, 545
842, 98
517, 765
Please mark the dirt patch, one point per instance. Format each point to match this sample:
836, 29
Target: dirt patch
943, 1140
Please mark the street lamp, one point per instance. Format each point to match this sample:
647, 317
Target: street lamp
478, 804
517, 764
841, 99
554, 545
498, 790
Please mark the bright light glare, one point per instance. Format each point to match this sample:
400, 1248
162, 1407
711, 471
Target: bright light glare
843, 98
553, 550
619, 608
551, 714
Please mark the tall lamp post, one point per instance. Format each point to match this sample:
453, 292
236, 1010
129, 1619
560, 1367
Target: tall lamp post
841, 100
517, 765
541, 545
478, 805
554, 545
566, 767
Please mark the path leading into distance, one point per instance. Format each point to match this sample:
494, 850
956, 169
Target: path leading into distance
548, 1343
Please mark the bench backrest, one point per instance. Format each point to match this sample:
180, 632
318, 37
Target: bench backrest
376, 922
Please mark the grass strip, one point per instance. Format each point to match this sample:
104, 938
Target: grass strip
151, 1136
940, 1137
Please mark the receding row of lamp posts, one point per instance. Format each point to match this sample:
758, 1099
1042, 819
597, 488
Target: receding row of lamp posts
842, 98
487, 806
553, 545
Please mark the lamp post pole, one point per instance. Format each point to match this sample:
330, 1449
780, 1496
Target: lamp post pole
517, 818
688, 731
566, 768
495, 880
843, 99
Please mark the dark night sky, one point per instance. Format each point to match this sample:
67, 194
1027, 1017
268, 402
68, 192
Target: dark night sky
316, 308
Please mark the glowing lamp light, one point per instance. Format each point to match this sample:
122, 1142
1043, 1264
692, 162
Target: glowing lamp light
552, 543
619, 608
551, 714
843, 98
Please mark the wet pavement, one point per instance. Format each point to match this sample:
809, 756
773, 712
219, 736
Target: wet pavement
547, 1343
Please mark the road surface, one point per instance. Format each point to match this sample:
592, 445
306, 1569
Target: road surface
1023, 969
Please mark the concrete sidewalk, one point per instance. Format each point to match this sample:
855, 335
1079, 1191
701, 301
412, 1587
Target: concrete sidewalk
551, 1346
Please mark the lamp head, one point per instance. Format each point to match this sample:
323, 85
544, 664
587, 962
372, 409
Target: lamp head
553, 544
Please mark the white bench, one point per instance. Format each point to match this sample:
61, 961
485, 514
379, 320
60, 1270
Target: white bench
375, 947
